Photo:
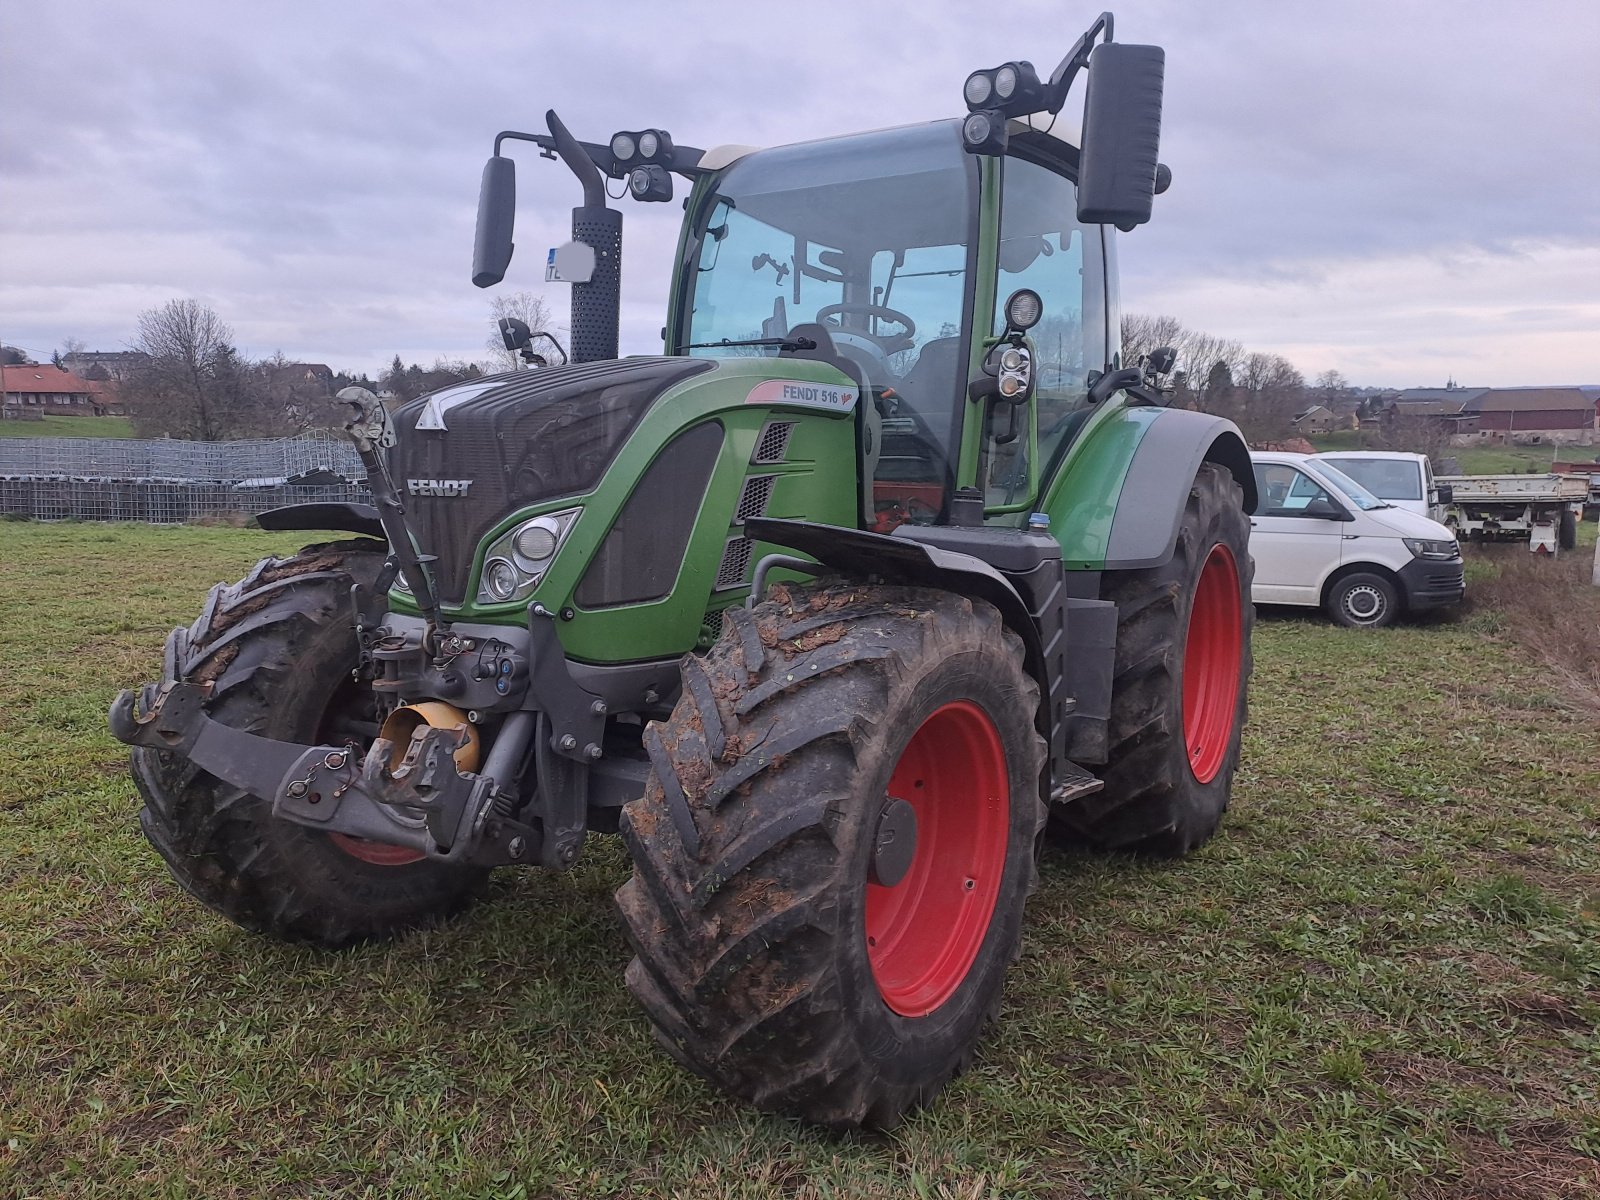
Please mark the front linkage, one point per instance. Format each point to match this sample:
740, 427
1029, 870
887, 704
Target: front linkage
409, 788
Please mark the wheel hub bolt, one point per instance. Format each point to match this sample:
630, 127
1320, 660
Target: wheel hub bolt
568, 742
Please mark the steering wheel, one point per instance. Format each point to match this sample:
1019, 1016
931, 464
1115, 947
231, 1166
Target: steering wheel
891, 344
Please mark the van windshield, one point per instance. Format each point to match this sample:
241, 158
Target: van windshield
1358, 495
1386, 478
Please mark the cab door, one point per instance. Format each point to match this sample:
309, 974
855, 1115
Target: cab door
1294, 544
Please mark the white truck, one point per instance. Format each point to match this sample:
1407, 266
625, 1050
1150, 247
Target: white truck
1543, 509
1404, 479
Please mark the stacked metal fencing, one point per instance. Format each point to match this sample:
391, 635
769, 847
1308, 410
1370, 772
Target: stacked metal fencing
170, 482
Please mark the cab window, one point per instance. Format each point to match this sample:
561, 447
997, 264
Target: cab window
1042, 247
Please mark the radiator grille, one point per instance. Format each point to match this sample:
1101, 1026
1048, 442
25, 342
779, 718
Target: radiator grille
735, 563
773, 443
753, 500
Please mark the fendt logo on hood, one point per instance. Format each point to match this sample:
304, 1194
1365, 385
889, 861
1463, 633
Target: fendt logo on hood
438, 487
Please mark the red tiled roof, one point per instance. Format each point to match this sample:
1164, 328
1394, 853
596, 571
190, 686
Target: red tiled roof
47, 378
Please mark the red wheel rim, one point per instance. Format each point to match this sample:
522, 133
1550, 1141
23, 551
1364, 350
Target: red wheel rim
380, 854
924, 932
1211, 654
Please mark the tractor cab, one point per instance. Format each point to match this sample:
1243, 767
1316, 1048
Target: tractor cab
890, 255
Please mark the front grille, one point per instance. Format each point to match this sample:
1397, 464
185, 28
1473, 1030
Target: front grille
753, 500
643, 552
529, 436
773, 443
735, 563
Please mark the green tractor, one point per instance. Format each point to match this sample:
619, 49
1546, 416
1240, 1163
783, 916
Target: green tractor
886, 564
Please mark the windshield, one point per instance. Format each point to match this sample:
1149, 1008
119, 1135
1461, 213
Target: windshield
1359, 496
1386, 478
870, 237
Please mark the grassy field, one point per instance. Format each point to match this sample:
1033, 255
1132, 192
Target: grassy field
84, 427
1473, 460
1381, 980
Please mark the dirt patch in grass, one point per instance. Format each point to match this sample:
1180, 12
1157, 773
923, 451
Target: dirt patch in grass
1549, 607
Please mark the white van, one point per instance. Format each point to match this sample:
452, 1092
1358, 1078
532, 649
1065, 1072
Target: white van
1405, 480
1319, 538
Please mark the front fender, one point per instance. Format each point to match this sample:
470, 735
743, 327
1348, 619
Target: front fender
345, 517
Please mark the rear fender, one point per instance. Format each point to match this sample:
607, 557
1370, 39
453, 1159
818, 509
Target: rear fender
1156, 454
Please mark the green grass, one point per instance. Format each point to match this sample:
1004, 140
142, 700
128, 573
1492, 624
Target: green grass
87, 427
1381, 980
1472, 460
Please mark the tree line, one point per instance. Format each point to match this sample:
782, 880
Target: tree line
1261, 393
191, 380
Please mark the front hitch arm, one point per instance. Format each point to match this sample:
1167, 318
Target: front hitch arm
420, 801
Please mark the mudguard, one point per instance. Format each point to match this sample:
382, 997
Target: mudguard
1118, 503
346, 517
901, 560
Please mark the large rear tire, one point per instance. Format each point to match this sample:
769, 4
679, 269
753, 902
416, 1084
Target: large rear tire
1179, 694
790, 946
279, 651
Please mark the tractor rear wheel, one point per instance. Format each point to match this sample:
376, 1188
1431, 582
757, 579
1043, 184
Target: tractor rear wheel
834, 846
1178, 697
278, 648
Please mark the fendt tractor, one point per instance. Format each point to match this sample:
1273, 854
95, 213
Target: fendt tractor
885, 564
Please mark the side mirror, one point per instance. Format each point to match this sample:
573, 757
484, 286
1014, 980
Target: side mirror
497, 210
1446, 493
1121, 135
1327, 510
514, 333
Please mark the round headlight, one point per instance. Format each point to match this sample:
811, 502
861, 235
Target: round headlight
1011, 359
649, 143
1005, 82
622, 146
535, 542
1023, 309
1010, 385
499, 579
975, 128
978, 88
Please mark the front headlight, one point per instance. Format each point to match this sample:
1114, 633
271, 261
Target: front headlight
1424, 548
517, 560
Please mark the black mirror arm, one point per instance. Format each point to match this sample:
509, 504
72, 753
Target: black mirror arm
1076, 60
1109, 383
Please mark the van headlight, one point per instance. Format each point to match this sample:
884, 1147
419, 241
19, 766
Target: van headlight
1424, 548
516, 561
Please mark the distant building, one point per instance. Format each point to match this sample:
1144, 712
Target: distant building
1554, 413
35, 390
103, 364
1316, 419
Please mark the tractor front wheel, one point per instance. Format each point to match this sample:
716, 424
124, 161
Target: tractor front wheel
834, 846
278, 649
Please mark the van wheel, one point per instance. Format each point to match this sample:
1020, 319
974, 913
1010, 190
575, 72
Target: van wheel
1363, 601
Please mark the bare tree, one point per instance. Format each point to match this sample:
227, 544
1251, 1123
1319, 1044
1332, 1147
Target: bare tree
190, 384
526, 307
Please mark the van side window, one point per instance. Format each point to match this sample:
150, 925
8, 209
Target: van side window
1284, 491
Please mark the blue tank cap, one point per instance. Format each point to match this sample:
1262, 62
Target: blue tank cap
1038, 521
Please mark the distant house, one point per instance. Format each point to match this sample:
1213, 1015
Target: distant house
1316, 419
35, 389
1554, 413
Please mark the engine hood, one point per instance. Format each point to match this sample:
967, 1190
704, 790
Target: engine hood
1403, 523
469, 454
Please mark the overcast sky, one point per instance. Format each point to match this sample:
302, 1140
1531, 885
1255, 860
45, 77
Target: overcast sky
1402, 191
